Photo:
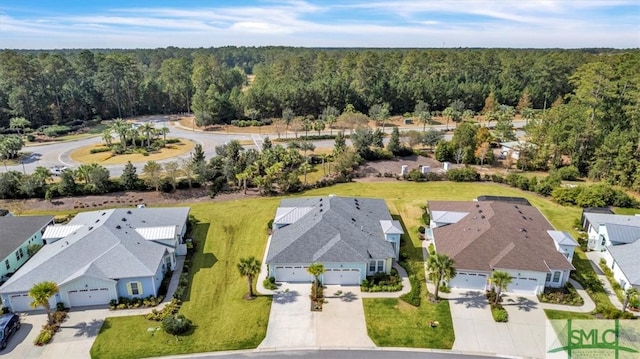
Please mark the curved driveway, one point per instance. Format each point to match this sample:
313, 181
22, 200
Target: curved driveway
57, 154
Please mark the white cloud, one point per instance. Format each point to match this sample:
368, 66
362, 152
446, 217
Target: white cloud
525, 23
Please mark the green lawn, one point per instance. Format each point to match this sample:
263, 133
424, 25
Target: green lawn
561, 314
392, 322
223, 320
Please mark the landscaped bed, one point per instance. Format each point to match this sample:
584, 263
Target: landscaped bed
566, 295
382, 282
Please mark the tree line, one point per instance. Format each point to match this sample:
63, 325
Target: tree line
56, 87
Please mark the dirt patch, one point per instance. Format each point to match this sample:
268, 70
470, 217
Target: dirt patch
120, 199
394, 166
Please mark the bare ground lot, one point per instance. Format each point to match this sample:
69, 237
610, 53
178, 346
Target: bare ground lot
119, 199
394, 166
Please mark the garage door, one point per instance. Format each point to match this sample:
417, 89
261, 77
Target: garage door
523, 285
293, 274
466, 280
343, 276
21, 302
84, 297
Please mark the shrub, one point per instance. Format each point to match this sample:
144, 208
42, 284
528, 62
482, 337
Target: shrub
169, 309
566, 295
421, 230
176, 324
466, 174
100, 149
270, 283
60, 306
568, 173
413, 297
44, 337
499, 314
173, 140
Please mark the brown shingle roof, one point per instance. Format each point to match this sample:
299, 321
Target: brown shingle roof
498, 235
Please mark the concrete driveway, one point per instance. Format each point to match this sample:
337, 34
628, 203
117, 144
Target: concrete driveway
476, 331
292, 324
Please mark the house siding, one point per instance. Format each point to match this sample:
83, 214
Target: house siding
394, 238
330, 265
618, 275
15, 263
148, 286
539, 276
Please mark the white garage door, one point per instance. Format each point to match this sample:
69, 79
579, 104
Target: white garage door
22, 302
293, 274
84, 297
344, 276
523, 285
466, 280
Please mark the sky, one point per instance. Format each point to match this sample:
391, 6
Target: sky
47, 24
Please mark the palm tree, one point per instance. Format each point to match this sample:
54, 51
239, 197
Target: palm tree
164, 131
441, 268
629, 295
500, 281
133, 133
147, 129
421, 111
316, 269
305, 167
249, 267
106, 136
121, 127
41, 293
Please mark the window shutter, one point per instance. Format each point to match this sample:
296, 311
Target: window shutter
140, 290
129, 289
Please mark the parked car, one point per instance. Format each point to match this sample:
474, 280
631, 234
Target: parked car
9, 324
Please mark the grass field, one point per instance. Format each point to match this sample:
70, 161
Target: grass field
84, 155
560, 314
231, 230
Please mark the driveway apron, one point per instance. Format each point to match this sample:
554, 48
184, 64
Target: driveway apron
477, 332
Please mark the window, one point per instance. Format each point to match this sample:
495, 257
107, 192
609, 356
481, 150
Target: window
380, 266
372, 266
548, 277
7, 264
21, 253
556, 276
134, 289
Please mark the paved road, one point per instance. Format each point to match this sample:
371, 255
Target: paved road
57, 154
378, 353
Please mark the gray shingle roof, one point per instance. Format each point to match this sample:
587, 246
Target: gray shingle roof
622, 233
105, 247
597, 219
563, 238
498, 235
336, 229
626, 256
15, 230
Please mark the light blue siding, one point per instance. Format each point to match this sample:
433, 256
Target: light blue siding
14, 262
148, 287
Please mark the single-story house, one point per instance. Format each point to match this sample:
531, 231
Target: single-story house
513, 148
483, 236
16, 235
351, 237
616, 237
102, 255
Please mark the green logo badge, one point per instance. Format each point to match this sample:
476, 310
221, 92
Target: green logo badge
596, 338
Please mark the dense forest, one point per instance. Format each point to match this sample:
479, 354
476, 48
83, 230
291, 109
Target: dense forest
583, 105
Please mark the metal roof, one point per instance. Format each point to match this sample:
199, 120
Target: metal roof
563, 238
288, 215
60, 231
154, 233
622, 233
447, 216
391, 227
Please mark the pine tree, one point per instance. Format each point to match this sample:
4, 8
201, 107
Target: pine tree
394, 142
129, 178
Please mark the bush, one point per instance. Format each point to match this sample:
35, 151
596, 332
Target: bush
60, 306
382, 282
176, 324
100, 149
270, 283
421, 230
44, 337
169, 309
173, 140
569, 173
499, 314
466, 174
566, 295
414, 296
